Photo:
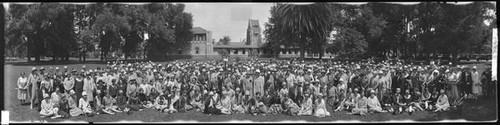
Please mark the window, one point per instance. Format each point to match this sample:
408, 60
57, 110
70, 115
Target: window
179, 51
243, 51
235, 51
197, 50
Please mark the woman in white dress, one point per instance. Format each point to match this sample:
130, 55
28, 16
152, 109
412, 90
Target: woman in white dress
22, 88
320, 110
476, 83
306, 108
47, 107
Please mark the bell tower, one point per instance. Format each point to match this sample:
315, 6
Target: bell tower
254, 37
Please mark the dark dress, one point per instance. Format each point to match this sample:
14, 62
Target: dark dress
113, 90
211, 109
64, 108
78, 89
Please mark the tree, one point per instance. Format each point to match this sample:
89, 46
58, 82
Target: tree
305, 23
224, 53
225, 40
168, 25
109, 28
348, 43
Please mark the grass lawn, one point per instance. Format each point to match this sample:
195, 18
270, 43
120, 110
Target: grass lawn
480, 110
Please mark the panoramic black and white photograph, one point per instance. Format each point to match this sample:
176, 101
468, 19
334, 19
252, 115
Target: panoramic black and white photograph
248, 62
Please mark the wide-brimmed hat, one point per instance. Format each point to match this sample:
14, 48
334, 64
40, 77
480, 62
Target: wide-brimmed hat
84, 93
72, 92
34, 68
45, 95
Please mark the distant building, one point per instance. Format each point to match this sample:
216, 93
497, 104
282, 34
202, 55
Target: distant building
250, 47
204, 46
201, 46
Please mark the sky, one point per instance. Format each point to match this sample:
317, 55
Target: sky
228, 19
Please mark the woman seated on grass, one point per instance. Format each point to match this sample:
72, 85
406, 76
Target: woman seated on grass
99, 105
373, 103
407, 101
85, 105
161, 102
274, 103
291, 108
225, 103
306, 108
442, 103
173, 98
47, 108
110, 104
361, 107
417, 101
210, 105
346, 102
74, 110
197, 101
260, 107
238, 102
121, 101
320, 110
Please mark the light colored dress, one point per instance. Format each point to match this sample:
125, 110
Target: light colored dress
476, 83
321, 109
374, 104
306, 108
442, 102
89, 86
74, 110
22, 89
85, 106
47, 108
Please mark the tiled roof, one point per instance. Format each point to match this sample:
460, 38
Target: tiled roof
198, 30
235, 45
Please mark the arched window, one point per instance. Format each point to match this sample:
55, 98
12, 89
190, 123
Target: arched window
197, 50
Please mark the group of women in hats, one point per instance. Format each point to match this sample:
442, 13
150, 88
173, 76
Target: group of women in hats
256, 87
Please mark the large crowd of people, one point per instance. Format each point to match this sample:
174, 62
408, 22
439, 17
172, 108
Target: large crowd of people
256, 87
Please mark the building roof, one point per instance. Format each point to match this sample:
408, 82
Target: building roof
198, 30
235, 45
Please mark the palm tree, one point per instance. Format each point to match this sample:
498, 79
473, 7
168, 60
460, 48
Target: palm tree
309, 24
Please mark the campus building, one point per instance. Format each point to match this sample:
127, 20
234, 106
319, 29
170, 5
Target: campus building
203, 46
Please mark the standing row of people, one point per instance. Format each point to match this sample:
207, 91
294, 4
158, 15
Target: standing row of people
253, 87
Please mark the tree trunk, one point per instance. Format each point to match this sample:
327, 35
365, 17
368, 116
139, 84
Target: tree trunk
28, 51
302, 51
84, 56
102, 57
80, 56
